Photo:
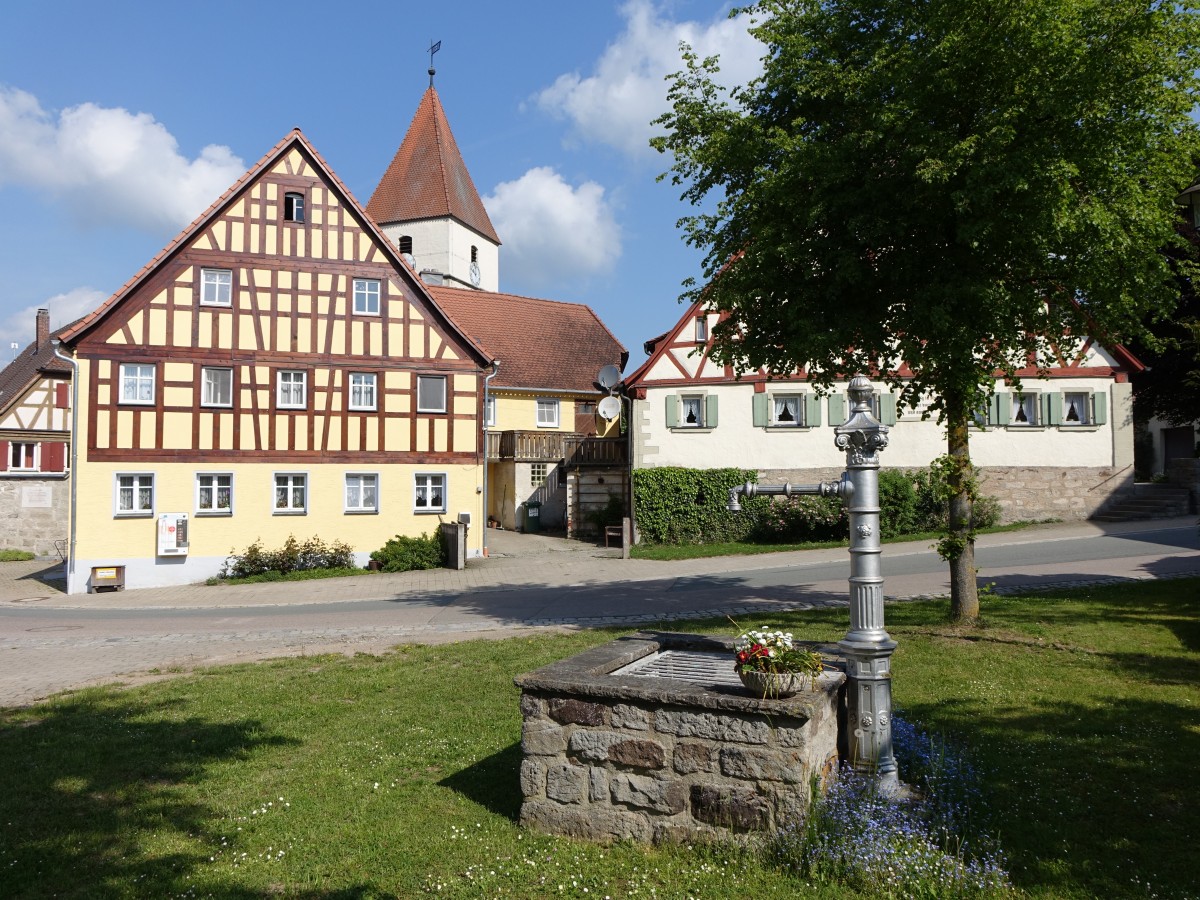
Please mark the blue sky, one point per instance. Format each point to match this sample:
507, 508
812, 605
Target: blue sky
120, 122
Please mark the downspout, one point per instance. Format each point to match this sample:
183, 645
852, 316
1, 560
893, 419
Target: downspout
486, 385
55, 343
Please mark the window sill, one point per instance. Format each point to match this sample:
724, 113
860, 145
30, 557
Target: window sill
548, 427
362, 409
25, 473
429, 512
133, 515
691, 429
216, 406
212, 305
1080, 427
1011, 427
360, 512
431, 412
135, 403
360, 312
214, 513
786, 428
289, 512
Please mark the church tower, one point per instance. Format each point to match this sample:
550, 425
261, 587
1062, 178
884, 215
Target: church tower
427, 205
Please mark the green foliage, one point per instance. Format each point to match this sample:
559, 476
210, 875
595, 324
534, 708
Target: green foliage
301, 575
293, 556
687, 506
16, 556
403, 554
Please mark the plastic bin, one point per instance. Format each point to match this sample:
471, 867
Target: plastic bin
533, 516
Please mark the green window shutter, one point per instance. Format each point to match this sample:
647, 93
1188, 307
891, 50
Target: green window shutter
1052, 403
812, 410
672, 411
1000, 408
887, 409
710, 411
759, 406
1100, 408
837, 409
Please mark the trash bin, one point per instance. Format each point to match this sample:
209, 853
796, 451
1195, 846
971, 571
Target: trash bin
533, 516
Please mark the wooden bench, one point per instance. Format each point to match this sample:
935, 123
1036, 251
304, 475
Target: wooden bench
613, 531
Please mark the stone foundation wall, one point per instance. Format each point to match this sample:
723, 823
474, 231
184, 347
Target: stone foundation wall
624, 767
33, 514
1024, 492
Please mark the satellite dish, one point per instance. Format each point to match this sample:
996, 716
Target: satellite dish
609, 408
609, 377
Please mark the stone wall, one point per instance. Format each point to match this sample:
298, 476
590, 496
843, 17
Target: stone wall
33, 513
657, 760
1024, 492
1186, 473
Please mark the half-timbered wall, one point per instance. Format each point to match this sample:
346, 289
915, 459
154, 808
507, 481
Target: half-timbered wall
291, 307
34, 448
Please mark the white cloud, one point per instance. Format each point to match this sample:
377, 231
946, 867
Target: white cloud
551, 230
109, 166
19, 327
627, 91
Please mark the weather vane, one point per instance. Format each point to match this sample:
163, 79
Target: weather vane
433, 48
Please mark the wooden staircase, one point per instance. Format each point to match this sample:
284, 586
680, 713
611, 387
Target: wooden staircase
1146, 501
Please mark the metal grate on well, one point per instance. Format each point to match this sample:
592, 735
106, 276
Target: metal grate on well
696, 666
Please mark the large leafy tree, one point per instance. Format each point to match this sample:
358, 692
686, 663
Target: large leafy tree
945, 182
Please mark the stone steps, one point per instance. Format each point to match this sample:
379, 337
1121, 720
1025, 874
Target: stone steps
1146, 501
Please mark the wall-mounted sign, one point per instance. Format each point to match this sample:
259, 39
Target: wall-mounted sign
37, 496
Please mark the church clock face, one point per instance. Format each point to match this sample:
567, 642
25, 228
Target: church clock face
474, 273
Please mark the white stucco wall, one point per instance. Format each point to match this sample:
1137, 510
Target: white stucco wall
445, 245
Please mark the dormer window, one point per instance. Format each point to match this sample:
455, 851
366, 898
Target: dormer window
293, 207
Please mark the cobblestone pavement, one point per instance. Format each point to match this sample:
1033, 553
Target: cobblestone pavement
51, 642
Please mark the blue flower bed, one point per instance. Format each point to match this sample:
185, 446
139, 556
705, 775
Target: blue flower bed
927, 843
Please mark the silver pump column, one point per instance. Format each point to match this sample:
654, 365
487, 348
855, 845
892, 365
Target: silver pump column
867, 648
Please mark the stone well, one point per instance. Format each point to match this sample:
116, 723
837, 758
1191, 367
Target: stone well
653, 738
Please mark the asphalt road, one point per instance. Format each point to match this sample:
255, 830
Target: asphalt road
45, 649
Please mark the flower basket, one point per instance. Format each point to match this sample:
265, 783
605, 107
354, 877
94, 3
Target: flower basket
772, 685
770, 664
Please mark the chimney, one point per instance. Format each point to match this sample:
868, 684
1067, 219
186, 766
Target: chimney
42, 339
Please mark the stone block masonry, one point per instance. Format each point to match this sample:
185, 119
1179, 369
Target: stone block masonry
610, 755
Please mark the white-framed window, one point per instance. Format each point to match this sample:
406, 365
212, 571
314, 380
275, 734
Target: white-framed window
216, 287
366, 296
362, 390
293, 207
691, 411
1077, 408
787, 410
214, 494
134, 494
216, 387
291, 493
701, 329
362, 492
1025, 409
137, 383
538, 472
291, 389
431, 393
547, 414
429, 492
489, 412
23, 456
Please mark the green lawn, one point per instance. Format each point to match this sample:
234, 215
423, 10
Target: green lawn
396, 776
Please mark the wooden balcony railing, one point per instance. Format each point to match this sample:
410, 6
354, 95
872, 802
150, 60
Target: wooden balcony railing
552, 446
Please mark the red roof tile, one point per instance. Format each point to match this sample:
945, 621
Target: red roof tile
541, 344
427, 178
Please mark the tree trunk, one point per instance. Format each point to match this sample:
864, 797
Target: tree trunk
964, 592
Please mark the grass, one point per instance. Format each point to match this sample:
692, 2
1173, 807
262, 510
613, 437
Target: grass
16, 555
396, 776
747, 548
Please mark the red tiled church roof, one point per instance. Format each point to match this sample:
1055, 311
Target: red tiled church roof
427, 178
541, 344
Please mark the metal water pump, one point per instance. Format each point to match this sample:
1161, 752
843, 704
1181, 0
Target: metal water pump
867, 648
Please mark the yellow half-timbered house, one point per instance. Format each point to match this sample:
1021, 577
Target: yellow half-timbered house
277, 369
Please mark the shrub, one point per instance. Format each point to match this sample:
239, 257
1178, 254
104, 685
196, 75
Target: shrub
15, 555
801, 519
403, 554
293, 556
687, 506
